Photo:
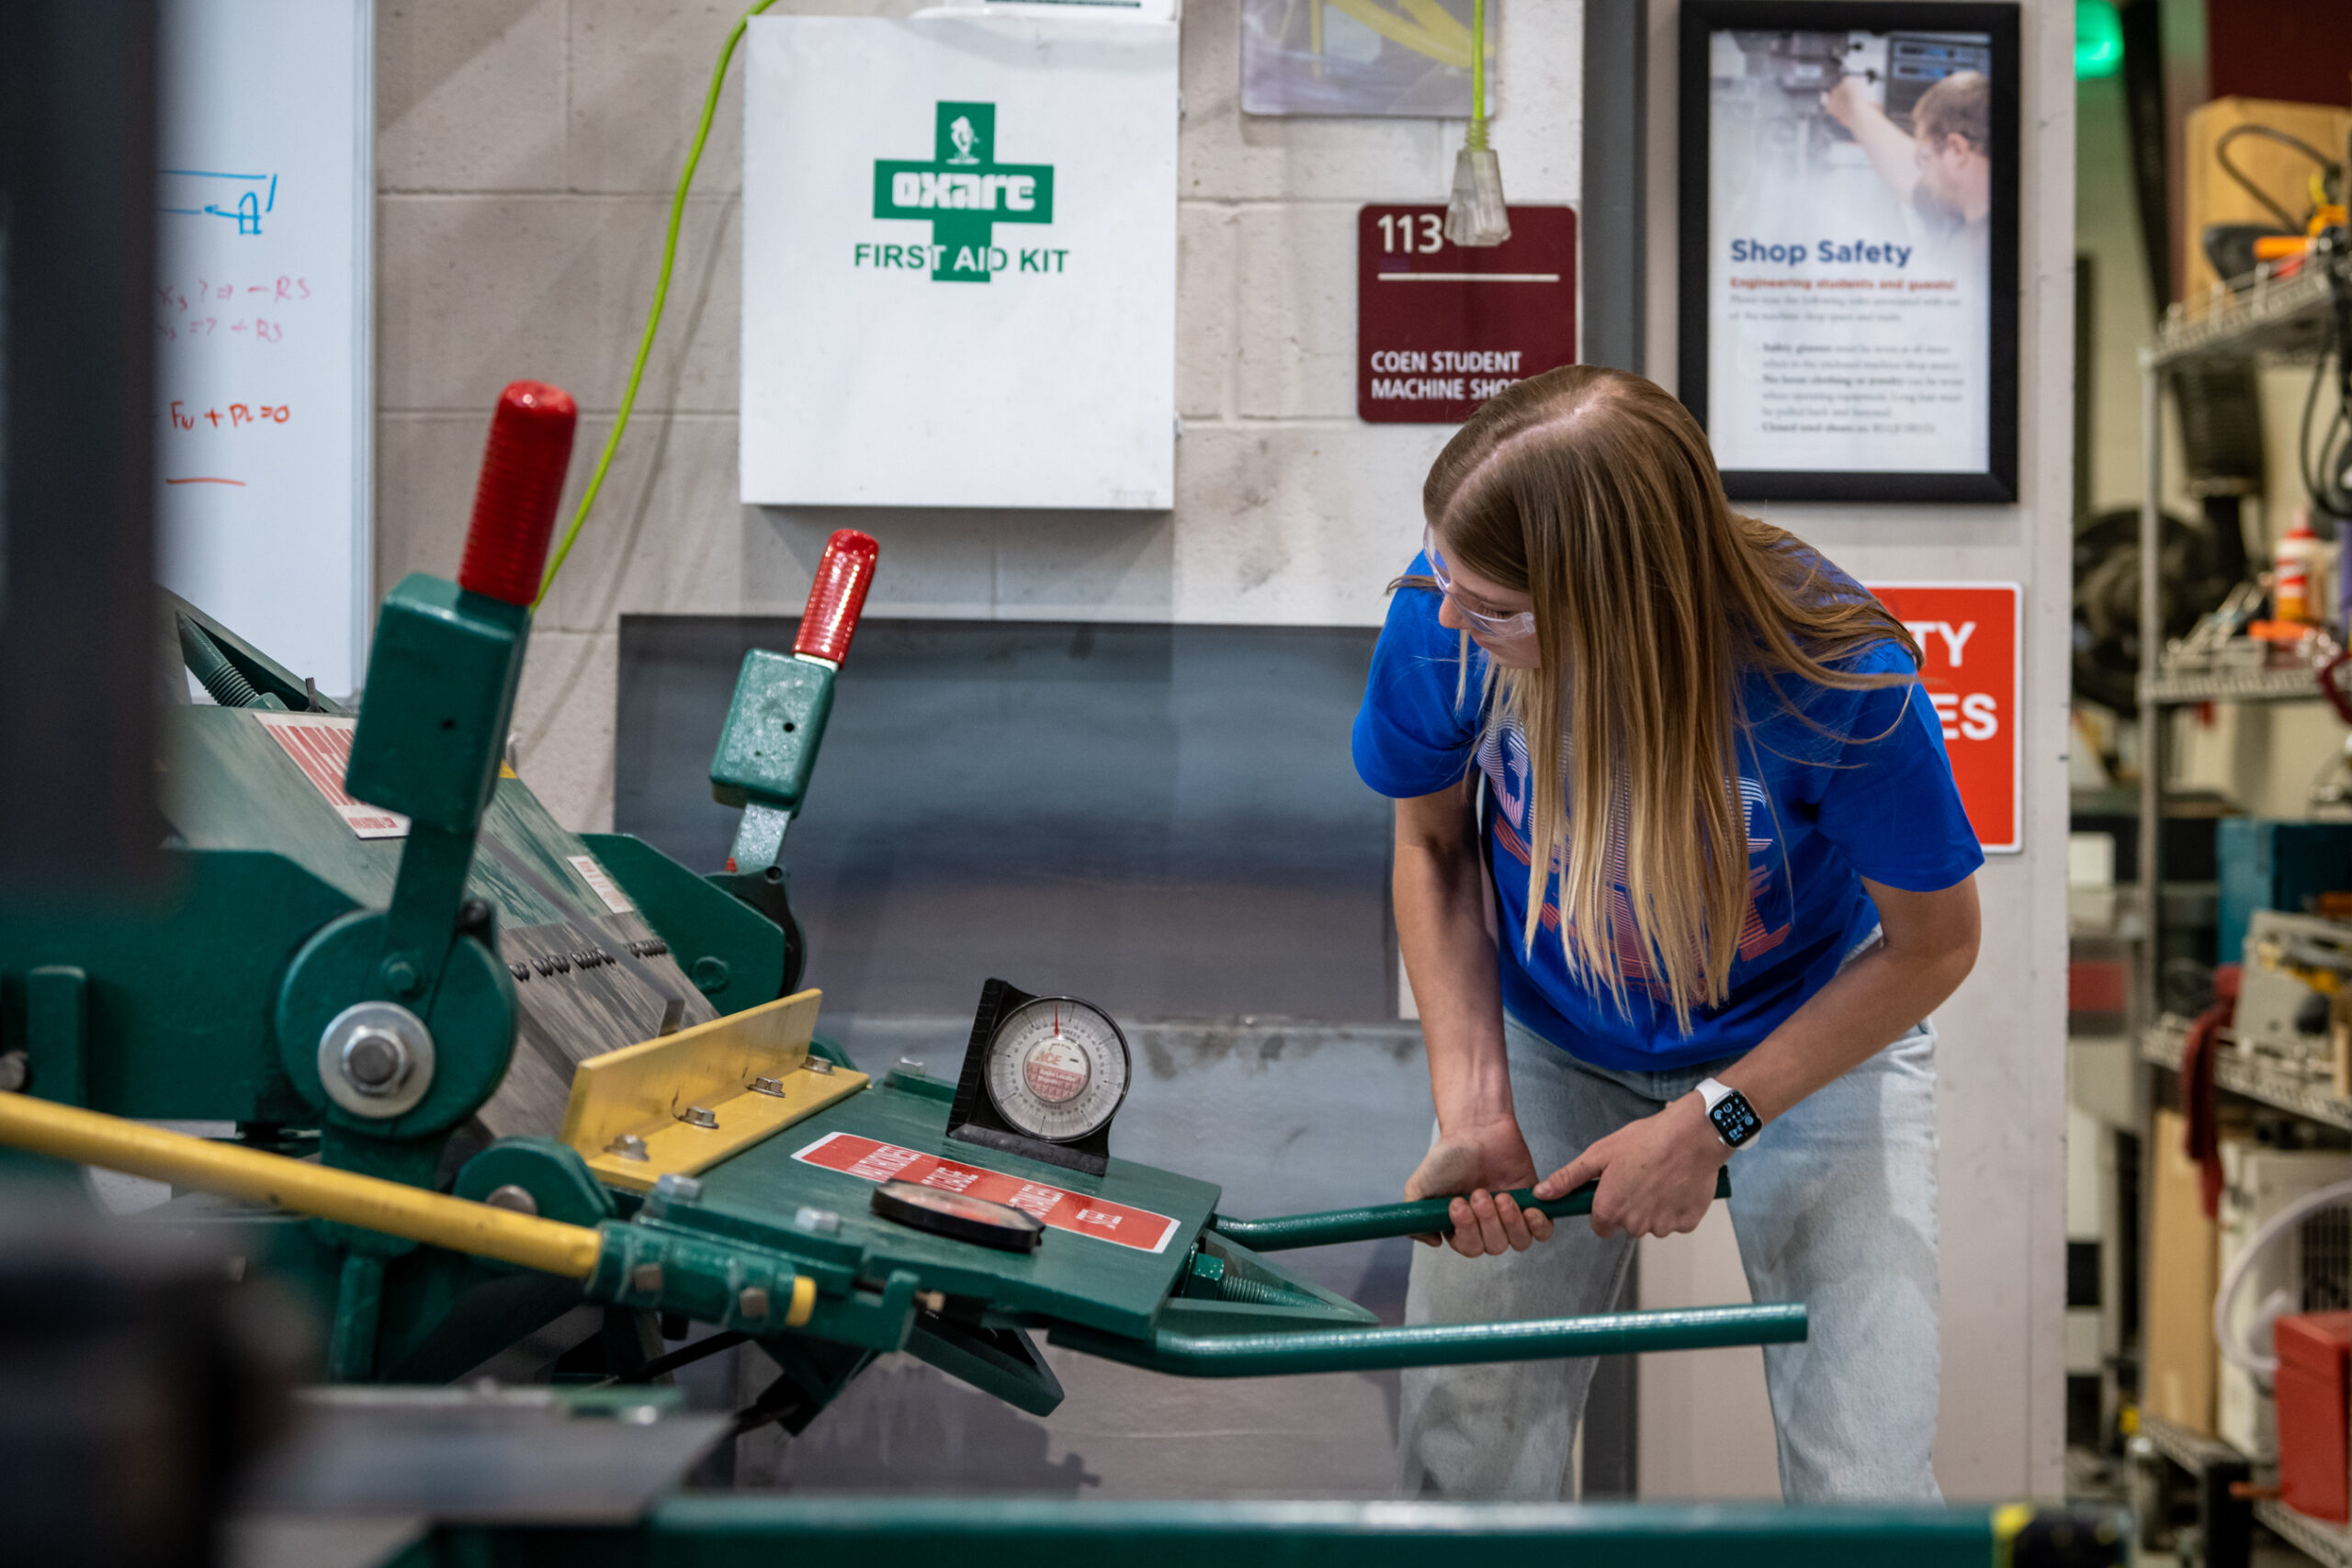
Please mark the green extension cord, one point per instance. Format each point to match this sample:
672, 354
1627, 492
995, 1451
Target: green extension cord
660, 298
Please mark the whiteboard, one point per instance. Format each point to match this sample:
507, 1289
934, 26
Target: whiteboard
264, 192
959, 262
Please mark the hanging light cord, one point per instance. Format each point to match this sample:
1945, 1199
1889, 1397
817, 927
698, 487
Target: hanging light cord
660, 298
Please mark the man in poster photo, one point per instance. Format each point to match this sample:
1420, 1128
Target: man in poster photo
1941, 169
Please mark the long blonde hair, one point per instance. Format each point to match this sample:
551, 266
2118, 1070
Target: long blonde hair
1593, 492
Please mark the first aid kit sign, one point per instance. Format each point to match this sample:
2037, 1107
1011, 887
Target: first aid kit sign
959, 262
1970, 640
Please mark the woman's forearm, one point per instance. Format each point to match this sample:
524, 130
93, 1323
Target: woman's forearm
1871, 1003
1440, 901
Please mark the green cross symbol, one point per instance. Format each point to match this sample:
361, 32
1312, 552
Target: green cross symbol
962, 193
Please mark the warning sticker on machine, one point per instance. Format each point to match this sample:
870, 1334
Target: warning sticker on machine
602, 885
1105, 1221
320, 744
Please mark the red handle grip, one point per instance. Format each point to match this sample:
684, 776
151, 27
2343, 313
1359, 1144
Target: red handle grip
837, 596
522, 477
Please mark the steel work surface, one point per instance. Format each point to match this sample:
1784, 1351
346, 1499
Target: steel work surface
1076, 1277
720, 1532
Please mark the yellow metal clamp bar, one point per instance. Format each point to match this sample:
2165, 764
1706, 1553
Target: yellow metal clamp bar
90, 1137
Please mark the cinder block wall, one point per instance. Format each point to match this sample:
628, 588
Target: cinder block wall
526, 153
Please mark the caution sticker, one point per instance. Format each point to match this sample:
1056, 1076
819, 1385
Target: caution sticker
870, 1160
320, 744
601, 884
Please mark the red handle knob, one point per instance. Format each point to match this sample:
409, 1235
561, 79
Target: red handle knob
522, 477
837, 596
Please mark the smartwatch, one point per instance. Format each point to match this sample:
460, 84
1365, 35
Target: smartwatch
1736, 1121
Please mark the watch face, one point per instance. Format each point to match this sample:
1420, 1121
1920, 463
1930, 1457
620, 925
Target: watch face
1736, 1121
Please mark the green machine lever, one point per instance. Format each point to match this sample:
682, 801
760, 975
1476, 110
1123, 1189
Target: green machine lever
1287, 1352
775, 725
1426, 1216
398, 1023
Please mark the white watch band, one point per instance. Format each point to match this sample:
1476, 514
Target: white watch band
1714, 1092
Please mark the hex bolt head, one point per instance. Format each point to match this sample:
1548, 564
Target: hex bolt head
816, 1221
700, 1116
646, 1278
15, 1072
375, 1061
629, 1145
516, 1200
768, 1086
671, 1187
752, 1302
819, 1066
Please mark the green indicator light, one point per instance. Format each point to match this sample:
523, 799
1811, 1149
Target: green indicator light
2099, 39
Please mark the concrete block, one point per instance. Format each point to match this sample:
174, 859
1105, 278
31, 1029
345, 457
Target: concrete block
1297, 525
474, 291
1085, 566
1206, 303
1297, 338
470, 94
563, 725
667, 534
638, 74
1225, 155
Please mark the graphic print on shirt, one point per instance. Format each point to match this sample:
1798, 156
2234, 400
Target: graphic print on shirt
1503, 757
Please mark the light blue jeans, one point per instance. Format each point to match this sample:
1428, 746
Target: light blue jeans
1833, 1205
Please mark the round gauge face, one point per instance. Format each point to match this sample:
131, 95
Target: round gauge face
1056, 1068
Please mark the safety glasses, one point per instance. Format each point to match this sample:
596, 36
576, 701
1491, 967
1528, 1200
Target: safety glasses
1522, 624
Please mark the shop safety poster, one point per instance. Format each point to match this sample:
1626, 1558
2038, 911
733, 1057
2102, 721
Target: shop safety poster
1849, 267
959, 262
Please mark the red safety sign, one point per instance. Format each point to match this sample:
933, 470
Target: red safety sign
870, 1160
320, 745
1440, 327
1972, 635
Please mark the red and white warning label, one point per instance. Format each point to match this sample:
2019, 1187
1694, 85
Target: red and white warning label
1105, 1221
601, 884
320, 744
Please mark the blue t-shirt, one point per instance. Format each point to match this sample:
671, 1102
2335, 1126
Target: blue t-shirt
1822, 814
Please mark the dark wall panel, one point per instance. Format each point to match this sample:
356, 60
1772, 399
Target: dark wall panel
1161, 818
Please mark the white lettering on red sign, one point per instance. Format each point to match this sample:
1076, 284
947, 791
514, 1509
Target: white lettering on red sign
869, 1159
320, 745
1970, 638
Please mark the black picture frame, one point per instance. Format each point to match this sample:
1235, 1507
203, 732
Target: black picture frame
1997, 483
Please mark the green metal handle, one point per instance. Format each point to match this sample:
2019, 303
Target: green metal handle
1441, 1344
1426, 1216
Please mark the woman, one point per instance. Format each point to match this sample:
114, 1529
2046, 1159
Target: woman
1755, 887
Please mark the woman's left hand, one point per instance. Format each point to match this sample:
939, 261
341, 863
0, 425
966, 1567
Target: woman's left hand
1658, 1175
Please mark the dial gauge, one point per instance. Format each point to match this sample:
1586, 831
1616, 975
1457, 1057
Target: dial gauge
1057, 1069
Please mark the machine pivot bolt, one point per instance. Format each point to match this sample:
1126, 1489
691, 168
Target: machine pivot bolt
629, 1145
511, 1197
819, 1066
376, 1060
401, 977
13, 1072
768, 1086
700, 1116
752, 1302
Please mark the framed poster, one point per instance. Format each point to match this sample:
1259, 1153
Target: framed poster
1847, 288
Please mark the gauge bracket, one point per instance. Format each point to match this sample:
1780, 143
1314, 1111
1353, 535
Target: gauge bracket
973, 1119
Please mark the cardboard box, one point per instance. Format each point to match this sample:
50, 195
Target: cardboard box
2183, 1248
2209, 196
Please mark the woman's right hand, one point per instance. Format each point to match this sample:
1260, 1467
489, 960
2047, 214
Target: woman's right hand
1478, 1166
